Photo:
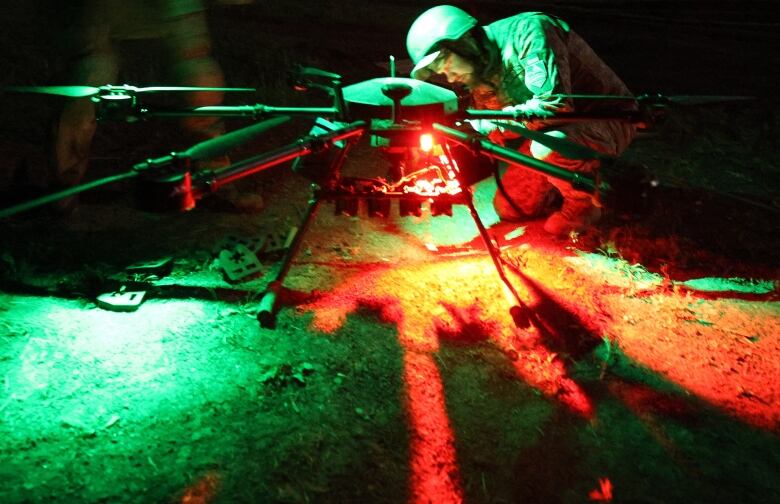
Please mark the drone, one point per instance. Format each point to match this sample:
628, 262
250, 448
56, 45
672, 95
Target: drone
415, 124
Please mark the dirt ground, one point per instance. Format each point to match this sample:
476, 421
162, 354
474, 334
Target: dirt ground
394, 372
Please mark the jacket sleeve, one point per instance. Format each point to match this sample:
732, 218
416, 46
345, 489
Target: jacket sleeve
542, 59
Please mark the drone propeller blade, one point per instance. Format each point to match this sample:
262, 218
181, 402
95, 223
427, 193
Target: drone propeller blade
659, 99
595, 97
69, 91
692, 100
86, 91
155, 89
566, 148
222, 144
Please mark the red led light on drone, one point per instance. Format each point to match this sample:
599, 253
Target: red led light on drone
426, 142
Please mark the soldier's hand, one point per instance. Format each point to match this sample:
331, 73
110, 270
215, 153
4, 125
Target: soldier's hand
529, 110
483, 126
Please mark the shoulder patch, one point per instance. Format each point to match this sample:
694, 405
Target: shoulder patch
535, 74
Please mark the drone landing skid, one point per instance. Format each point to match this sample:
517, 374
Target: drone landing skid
346, 194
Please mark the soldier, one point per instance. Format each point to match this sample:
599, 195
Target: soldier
521, 63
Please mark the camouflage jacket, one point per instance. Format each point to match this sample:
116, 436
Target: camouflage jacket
542, 57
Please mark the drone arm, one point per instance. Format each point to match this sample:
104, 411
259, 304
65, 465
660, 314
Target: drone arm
168, 182
300, 111
628, 115
213, 147
301, 147
481, 146
66, 193
645, 118
222, 144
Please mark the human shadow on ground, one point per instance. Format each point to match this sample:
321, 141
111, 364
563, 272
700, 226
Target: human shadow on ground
649, 437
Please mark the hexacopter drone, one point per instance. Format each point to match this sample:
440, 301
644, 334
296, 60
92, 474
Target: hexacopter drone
414, 124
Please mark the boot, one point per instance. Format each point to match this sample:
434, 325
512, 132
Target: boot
576, 215
235, 200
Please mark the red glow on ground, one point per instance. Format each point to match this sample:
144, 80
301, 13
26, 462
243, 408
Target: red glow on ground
716, 349
603, 493
435, 476
434, 469
459, 301
202, 491
544, 371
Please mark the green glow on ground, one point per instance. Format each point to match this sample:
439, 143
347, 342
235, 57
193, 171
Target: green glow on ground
619, 272
714, 284
72, 346
616, 271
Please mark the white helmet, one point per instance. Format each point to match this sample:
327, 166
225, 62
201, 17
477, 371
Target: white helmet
443, 22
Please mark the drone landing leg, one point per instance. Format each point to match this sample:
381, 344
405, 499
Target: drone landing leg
267, 313
518, 310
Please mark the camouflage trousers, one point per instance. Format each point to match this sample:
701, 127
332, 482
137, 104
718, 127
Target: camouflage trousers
534, 194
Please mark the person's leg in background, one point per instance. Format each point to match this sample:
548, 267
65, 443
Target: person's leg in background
188, 44
74, 129
99, 26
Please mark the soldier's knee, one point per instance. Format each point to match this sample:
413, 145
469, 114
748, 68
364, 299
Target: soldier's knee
542, 152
